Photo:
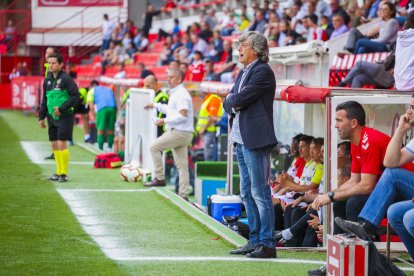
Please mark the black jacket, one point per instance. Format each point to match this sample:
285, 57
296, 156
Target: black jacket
255, 104
63, 82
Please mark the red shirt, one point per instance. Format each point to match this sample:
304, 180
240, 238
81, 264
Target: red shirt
368, 156
197, 70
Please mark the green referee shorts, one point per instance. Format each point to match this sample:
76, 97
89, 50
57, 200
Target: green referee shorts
105, 118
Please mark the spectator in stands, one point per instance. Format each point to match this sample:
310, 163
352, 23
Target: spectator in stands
137, 37
194, 28
110, 56
210, 74
176, 43
149, 14
174, 64
102, 105
367, 73
322, 9
287, 35
230, 77
107, 28
121, 74
127, 40
318, 32
179, 123
151, 82
197, 69
396, 181
10, 32
259, 23
217, 47
244, 23
387, 34
210, 113
185, 71
368, 150
309, 30
205, 33
211, 19
143, 71
227, 57
404, 61
14, 73
296, 20
199, 45
339, 26
143, 44
337, 9
182, 52
371, 8
254, 137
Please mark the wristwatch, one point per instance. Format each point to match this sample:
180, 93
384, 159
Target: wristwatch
331, 196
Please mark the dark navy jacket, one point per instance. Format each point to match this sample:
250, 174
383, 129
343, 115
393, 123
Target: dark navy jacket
255, 104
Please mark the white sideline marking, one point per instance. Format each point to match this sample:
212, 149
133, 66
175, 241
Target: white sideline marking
115, 248
107, 190
220, 259
36, 151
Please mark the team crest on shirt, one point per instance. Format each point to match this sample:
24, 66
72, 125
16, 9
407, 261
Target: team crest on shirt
365, 143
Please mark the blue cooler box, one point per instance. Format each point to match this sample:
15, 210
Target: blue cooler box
225, 205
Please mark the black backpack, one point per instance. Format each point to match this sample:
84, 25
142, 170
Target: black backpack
379, 264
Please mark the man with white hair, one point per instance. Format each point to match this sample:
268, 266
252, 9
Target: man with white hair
250, 106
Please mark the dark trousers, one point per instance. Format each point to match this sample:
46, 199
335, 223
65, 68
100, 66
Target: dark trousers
278, 217
349, 209
291, 217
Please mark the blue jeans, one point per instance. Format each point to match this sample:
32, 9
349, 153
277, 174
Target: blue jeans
392, 182
254, 167
401, 218
365, 45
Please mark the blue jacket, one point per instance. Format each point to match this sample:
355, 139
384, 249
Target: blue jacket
255, 104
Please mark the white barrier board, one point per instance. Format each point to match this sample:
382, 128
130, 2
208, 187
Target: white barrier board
139, 123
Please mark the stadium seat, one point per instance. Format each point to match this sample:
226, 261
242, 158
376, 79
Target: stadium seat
149, 59
160, 72
131, 71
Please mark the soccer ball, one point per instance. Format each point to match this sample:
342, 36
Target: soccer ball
131, 173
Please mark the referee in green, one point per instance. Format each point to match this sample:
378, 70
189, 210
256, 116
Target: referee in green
60, 96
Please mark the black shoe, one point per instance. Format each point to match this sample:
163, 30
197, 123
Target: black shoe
63, 178
247, 248
54, 177
341, 84
318, 271
52, 156
352, 227
263, 252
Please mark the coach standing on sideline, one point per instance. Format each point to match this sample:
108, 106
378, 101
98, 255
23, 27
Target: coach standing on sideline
59, 100
250, 105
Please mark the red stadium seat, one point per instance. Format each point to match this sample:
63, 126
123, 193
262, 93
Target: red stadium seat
160, 72
132, 71
149, 59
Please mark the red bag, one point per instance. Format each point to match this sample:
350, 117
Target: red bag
303, 94
107, 160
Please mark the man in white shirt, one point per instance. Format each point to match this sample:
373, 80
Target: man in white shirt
179, 123
107, 28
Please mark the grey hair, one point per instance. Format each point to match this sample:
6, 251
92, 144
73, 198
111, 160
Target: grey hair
258, 42
178, 73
